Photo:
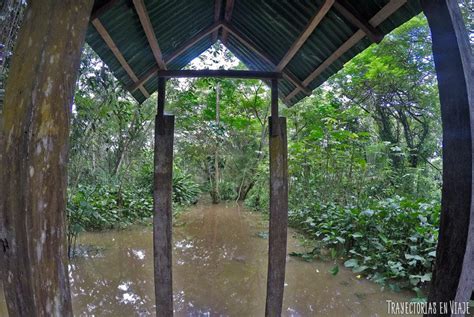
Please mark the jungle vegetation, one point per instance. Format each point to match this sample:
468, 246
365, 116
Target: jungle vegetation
364, 154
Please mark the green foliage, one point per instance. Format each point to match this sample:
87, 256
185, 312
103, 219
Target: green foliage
391, 241
185, 190
109, 129
111, 162
111, 206
258, 197
364, 162
107, 206
238, 140
102, 207
394, 82
334, 270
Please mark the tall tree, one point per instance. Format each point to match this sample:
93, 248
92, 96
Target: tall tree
34, 130
216, 195
395, 83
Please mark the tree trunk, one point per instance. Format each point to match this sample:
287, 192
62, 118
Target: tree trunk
382, 119
34, 131
453, 64
216, 196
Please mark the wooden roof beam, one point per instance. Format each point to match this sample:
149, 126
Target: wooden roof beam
224, 73
310, 27
375, 21
250, 45
111, 44
229, 8
355, 19
188, 44
217, 18
178, 52
149, 32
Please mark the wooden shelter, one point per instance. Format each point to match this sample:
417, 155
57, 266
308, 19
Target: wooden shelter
294, 45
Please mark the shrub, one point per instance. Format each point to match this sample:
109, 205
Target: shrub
107, 206
392, 241
185, 190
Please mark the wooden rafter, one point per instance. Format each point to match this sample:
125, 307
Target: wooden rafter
253, 47
217, 18
229, 8
377, 19
111, 44
188, 44
149, 32
191, 73
358, 21
139, 82
180, 50
313, 23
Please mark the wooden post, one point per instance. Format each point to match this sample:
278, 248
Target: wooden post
34, 133
162, 205
274, 109
454, 268
278, 210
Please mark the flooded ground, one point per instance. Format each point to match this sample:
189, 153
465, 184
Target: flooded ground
220, 267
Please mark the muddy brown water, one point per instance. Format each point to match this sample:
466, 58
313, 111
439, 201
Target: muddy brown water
219, 269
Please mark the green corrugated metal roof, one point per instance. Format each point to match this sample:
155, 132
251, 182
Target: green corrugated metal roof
271, 25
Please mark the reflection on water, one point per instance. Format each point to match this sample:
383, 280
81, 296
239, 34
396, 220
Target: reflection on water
220, 267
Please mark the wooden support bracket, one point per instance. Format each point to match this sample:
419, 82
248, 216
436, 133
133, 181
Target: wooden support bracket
217, 18
355, 19
274, 108
229, 9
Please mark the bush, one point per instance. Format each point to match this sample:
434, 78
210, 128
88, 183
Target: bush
258, 199
185, 190
107, 206
393, 241
111, 206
